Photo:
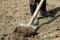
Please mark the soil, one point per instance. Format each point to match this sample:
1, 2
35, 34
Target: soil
14, 12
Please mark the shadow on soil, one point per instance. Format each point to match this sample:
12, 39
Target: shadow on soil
53, 12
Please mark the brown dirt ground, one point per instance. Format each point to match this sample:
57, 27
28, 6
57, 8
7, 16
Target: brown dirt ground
13, 12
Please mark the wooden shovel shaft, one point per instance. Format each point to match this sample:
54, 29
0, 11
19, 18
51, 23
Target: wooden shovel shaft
35, 13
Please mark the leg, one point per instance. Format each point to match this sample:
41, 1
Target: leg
43, 9
32, 6
32, 9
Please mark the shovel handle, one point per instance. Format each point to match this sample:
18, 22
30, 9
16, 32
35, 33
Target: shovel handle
35, 13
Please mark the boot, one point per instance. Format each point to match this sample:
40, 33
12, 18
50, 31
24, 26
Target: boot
32, 8
35, 22
45, 14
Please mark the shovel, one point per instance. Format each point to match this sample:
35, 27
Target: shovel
33, 17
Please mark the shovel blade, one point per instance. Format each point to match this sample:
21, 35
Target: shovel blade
22, 24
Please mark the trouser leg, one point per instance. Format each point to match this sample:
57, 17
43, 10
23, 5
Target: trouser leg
43, 11
43, 8
32, 9
33, 6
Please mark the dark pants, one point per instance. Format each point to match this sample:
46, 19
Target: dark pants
33, 6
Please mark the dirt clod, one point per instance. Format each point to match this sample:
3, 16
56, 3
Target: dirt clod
24, 31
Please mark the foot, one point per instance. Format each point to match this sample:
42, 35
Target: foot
35, 22
45, 14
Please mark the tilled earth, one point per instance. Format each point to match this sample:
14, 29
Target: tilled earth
14, 12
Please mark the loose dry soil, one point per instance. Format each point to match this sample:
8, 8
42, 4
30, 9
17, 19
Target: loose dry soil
14, 12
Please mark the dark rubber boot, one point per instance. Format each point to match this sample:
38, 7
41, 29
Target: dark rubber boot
32, 8
45, 14
36, 21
